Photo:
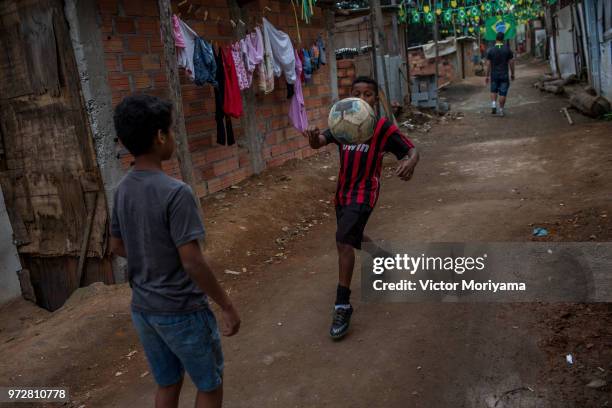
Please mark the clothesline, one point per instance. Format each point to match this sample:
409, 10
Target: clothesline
306, 8
232, 67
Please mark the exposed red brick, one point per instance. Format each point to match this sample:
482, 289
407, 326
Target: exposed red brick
125, 25
225, 166
207, 173
111, 64
134, 7
138, 44
107, 6
156, 44
131, 63
151, 62
277, 161
142, 81
119, 82
219, 153
148, 26
345, 63
112, 44
194, 126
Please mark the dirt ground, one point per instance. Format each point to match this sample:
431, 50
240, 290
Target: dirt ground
481, 178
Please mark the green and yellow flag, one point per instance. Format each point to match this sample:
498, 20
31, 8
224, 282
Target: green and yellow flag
496, 24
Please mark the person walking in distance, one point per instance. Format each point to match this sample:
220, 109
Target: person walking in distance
499, 59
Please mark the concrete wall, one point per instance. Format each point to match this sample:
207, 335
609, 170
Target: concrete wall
86, 40
606, 69
9, 258
599, 47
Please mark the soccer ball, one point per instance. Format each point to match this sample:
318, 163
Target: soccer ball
351, 121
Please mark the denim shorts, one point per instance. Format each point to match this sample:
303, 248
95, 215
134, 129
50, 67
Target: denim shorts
500, 86
188, 342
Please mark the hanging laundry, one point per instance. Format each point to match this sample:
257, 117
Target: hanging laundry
225, 132
253, 51
179, 41
266, 68
282, 51
290, 90
245, 60
205, 67
307, 65
232, 100
301, 55
241, 72
185, 55
314, 52
297, 110
321, 45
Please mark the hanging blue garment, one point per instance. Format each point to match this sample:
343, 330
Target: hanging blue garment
204, 65
307, 64
321, 46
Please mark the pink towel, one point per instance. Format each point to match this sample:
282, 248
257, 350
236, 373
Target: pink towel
179, 41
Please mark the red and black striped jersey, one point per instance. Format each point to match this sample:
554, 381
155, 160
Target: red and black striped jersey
361, 164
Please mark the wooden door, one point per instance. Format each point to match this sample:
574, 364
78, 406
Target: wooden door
48, 170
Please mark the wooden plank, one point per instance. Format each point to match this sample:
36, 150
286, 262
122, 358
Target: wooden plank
85, 239
49, 165
349, 22
54, 279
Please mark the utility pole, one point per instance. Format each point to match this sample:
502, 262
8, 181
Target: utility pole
379, 41
394, 32
408, 79
174, 93
437, 78
248, 121
331, 49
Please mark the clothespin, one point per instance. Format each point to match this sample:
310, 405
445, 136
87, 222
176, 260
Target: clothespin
205, 15
190, 8
241, 22
182, 2
233, 23
197, 11
266, 8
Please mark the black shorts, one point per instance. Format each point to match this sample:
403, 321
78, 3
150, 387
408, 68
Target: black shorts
352, 220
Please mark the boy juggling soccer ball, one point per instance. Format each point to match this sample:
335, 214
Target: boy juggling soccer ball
357, 191
156, 225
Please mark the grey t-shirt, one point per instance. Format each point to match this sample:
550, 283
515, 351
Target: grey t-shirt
154, 214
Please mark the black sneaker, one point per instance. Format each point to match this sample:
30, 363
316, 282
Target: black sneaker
493, 111
340, 322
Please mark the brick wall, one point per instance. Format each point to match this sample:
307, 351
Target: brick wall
419, 65
134, 61
346, 75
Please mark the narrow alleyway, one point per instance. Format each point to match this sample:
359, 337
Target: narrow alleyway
481, 178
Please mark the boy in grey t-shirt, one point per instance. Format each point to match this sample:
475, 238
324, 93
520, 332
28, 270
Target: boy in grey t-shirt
156, 225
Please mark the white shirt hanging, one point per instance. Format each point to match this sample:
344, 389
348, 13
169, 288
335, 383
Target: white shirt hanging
185, 55
282, 52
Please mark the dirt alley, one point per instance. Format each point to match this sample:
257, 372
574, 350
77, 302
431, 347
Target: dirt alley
481, 178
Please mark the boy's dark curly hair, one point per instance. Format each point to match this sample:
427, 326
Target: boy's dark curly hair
138, 118
366, 80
